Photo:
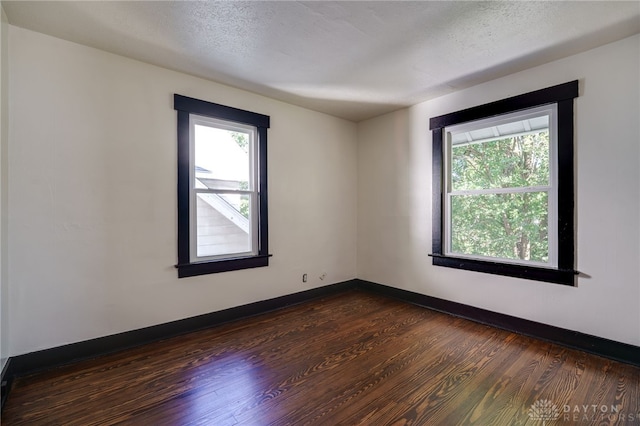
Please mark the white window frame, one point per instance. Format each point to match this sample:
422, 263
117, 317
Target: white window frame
551, 188
252, 191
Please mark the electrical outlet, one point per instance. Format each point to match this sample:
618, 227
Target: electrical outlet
304, 278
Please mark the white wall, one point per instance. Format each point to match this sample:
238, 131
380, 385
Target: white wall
394, 200
92, 189
4, 137
92, 212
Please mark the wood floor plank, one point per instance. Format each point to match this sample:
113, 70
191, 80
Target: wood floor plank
349, 359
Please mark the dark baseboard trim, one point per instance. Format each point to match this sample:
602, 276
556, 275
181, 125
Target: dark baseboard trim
618, 351
33, 362
5, 383
22, 365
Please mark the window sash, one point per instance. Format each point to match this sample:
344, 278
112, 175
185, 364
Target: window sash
550, 250
551, 189
230, 126
252, 191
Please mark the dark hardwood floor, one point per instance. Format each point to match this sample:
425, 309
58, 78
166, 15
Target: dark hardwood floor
353, 358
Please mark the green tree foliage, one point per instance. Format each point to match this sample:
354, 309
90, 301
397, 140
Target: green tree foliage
241, 140
244, 201
503, 225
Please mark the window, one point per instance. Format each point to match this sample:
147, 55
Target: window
222, 188
503, 187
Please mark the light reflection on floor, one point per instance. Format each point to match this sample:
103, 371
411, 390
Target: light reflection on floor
232, 378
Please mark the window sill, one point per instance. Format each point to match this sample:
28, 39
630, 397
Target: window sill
223, 265
556, 276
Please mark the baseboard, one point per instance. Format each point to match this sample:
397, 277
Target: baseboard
33, 362
611, 349
6, 381
22, 365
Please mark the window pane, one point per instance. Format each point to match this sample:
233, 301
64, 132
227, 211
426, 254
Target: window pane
513, 162
222, 158
508, 226
222, 224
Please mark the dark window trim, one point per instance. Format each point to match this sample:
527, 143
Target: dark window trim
562, 95
209, 109
186, 106
549, 95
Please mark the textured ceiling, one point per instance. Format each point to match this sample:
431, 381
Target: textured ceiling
353, 60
